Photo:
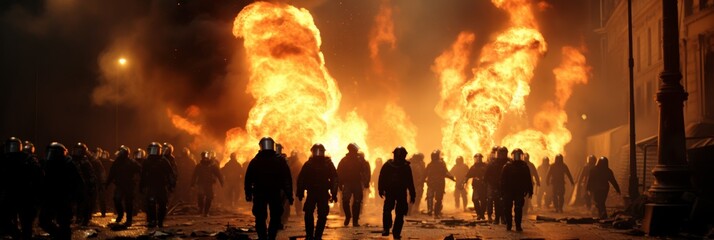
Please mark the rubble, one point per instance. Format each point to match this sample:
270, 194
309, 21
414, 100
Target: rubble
584, 220
546, 219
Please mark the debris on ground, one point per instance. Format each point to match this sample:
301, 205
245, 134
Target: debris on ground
462, 222
234, 233
91, 233
584, 220
546, 219
117, 227
297, 237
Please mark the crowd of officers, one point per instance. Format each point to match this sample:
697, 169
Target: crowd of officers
74, 183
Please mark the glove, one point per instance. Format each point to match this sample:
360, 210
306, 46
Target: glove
249, 197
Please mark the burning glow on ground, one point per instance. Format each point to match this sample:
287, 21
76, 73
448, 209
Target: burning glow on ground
477, 110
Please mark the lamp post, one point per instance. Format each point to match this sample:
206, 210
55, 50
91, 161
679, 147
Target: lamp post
122, 63
667, 210
632, 192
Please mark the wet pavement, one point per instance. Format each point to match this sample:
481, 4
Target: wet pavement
458, 224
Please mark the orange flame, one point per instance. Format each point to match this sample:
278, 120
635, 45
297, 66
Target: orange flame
474, 109
184, 124
382, 33
297, 100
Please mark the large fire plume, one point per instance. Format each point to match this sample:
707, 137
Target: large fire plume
473, 109
296, 99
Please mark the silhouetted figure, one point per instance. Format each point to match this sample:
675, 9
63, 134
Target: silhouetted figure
285, 196
600, 178
206, 174
544, 194
556, 178
375, 172
267, 178
124, 174
581, 194
493, 179
419, 177
319, 178
233, 173
185, 164
101, 176
62, 189
21, 177
516, 185
167, 150
80, 156
295, 166
436, 174
478, 186
353, 172
157, 179
535, 178
459, 171
395, 179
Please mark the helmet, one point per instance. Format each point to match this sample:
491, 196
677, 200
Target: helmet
459, 159
526, 157
546, 160
418, 157
154, 149
80, 149
494, 149
502, 152
56, 150
123, 151
318, 150
167, 148
478, 157
233, 156
99, 152
517, 154
591, 159
352, 147
205, 155
13, 145
139, 154
559, 158
293, 153
212, 154
436, 155
28, 147
400, 153
278, 148
266, 143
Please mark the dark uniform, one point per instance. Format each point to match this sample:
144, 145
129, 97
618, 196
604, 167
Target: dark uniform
419, 177
459, 171
233, 173
101, 176
395, 179
535, 178
319, 178
266, 179
556, 178
598, 185
436, 174
80, 156
156, 183
581, 194
354, 175
516, 184
21, 177
493, 181
167, 150
295, 167
124, 175
478, 186
107, 162
62, 189
205, 176
185, 166
544, 194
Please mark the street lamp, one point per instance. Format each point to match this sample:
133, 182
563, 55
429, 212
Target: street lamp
122, 61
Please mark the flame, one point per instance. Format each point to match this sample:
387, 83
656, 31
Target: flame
382, 33
297, 100
474, 109
184, 124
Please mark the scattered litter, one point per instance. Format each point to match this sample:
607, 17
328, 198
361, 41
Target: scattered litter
585, 220
160, 234
624, 223
546, 219
91, 233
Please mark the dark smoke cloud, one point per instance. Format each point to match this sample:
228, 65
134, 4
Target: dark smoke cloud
60, 76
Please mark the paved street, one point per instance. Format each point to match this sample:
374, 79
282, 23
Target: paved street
417, 227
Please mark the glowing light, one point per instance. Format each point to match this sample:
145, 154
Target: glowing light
122, 61
584, 116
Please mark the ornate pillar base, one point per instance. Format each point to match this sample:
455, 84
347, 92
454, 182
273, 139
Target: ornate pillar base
664, 219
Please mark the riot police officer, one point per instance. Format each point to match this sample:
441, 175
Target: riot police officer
419, 177
21, 177
80, 156
556, 179
319, 178
459, 171
156, 184
516, 184
124, 174
267, 178
493, 181
62, 188
478, 185
436, 174
395, 179
354, 175
232, 171
167, 150
205, 176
